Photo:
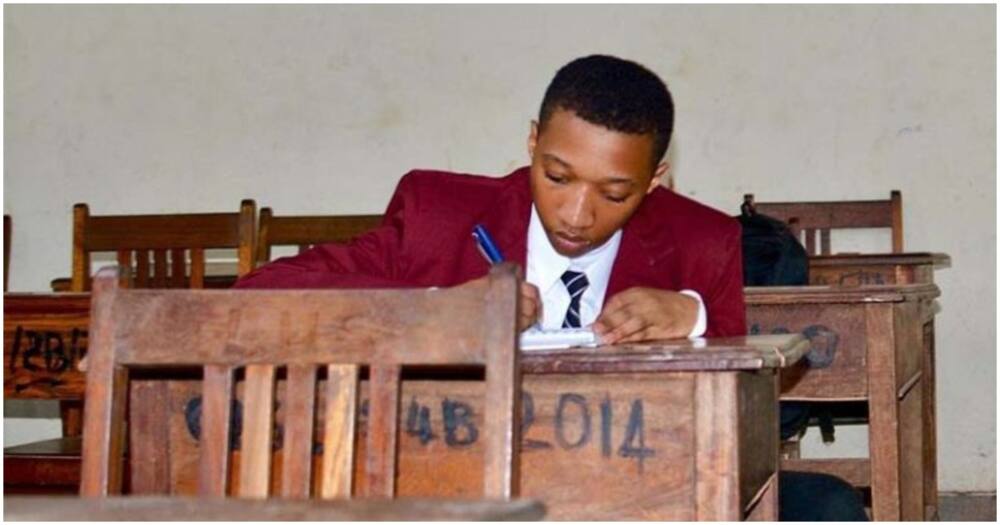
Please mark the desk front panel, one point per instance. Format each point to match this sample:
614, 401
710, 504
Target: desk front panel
44, 338
875, 269
841, 325
616, 446
835, 366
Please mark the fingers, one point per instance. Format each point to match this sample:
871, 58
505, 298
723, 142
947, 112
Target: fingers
631, 329
531, 306
618, 320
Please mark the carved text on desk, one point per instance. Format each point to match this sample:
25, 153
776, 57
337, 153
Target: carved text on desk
572, 425
823, 342
42, 359
848, 278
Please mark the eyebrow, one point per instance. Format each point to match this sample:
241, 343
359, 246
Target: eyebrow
610, 180
557, 160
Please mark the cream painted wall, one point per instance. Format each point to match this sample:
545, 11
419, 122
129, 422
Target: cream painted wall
320, 109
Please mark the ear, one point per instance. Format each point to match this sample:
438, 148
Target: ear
660, 172
532, 139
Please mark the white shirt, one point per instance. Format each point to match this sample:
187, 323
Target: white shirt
546, 266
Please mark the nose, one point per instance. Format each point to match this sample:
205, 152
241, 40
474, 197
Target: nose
578, 210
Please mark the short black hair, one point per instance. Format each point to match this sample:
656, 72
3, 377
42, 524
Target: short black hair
617, 94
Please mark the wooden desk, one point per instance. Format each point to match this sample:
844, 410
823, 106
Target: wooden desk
50, 508
896, 268
618, 415
875, 269
44, 337
671, 431
653, 431
868, 343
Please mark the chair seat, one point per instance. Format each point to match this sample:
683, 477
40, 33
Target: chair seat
51, 466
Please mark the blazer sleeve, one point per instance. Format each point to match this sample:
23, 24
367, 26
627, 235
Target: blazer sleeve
724, 302
376, 259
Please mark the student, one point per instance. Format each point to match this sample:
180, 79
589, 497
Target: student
601, 242
654, 264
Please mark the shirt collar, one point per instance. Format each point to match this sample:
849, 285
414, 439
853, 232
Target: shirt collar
546, 265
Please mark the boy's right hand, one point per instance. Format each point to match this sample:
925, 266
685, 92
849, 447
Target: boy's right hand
531, 306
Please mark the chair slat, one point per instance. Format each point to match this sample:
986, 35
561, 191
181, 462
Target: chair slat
337, 467
125, 262
300, 401
500, 466
104, 423
217, 390
142, 268
811, 241
258, 419
178, 268
197, 268
824, 237
383, 420
159, 268
149, 422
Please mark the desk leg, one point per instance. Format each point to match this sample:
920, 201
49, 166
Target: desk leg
716, 458
930, 426
883, 415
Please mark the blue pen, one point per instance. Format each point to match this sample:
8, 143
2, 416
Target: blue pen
486, 245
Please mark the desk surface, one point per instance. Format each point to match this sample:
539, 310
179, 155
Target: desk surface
892, 293
730, 353
61, 508
939, 260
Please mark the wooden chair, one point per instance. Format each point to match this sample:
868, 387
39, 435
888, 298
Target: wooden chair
302, 332
184, 237
808, 218
6, 250
306, 231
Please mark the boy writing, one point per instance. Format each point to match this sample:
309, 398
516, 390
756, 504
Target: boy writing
602, 243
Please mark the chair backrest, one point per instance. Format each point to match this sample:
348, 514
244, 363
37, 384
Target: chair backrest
184, 237
306, 231
301, 332
806, 219
6, 250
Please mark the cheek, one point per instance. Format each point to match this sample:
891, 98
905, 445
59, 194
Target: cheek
614, 217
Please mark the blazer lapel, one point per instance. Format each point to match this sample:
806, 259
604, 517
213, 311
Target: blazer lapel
508, 217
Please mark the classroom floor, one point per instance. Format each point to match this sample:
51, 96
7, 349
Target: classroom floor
967, 507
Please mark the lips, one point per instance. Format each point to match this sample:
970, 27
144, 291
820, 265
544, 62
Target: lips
569, 244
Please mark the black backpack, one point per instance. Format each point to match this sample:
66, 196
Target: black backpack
772, 256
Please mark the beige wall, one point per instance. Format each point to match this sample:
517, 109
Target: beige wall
320, 109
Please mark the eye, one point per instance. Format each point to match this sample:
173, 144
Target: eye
617, 198
558, 179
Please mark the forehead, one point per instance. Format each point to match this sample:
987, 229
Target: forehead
593, 151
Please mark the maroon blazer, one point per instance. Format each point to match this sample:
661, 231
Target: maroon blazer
671, 243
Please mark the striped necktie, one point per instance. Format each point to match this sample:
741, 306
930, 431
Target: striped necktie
576, 283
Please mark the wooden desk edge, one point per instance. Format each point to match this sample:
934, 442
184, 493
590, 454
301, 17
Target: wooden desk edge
741, 353
938, 260
893, 293
156, 508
